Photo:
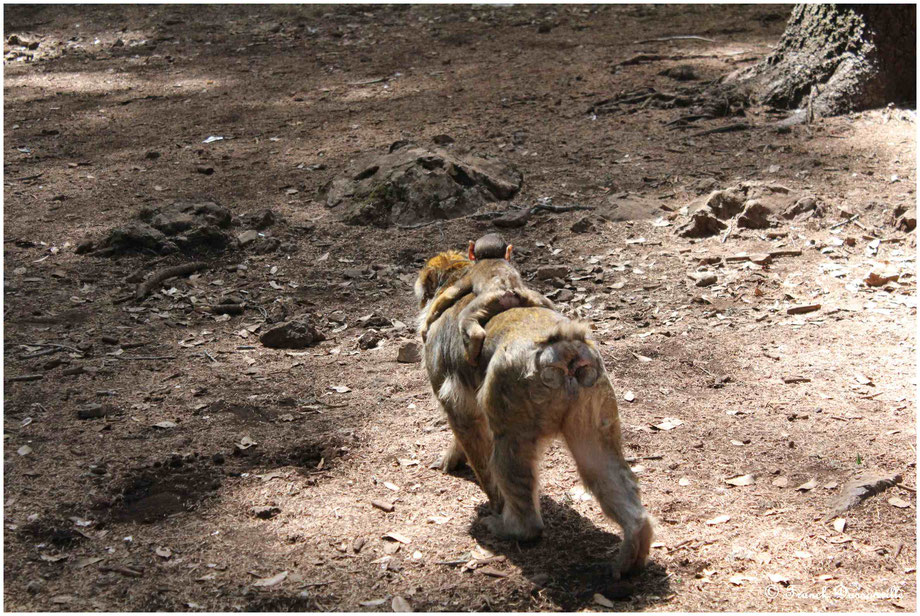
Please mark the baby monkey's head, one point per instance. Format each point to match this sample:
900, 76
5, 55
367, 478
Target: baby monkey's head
490, 246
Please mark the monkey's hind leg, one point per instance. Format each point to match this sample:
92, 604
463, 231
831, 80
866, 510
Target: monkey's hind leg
472, 438
592, 433
514, 466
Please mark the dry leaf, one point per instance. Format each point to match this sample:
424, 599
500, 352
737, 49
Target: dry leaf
718, 520
398, 537
811, 484
163, 552
400, 605
603, 601
372, 602
340, 388
900, 503
24, 450
781, 482
840, 524
743, 480
272, 581
683, 482
164, 425
669, 423
776, 578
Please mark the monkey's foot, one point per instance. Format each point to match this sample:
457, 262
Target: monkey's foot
515, 531
474, 347
449, 461
634, 549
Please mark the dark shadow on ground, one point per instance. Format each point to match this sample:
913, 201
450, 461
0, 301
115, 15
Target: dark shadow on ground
572, 562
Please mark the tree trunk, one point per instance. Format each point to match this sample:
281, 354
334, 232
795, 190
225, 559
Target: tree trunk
839, 58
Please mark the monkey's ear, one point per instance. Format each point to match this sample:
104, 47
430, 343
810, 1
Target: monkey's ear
472, 253
508, 252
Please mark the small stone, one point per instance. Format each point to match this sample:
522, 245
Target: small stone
204, 170
298, 333
409, 353
152, 155
546, 272
703, 223
704, 279
513, 220
247, 237
265, 512
756, 215
584, 225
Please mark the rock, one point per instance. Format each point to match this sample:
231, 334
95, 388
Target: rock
725, 204
442, 139
374, 320
85, 246
409, 353
761, 258
704, 279
622, 207
152, 155
562, 295
546, 272
906, 220
204, 170
369, 340
413, 184
92, 411
184, 215
683, 72
755, 215
703, 223
513, 220
188, 226
802, 206
137, 236
298, 333
262, 219
584, 225
266, 245
265, 512
247, 237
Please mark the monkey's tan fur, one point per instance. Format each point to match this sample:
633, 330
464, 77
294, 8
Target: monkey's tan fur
539, 376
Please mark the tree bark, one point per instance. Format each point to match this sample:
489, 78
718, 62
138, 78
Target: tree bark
834, 59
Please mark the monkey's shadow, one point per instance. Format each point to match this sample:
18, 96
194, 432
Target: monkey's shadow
573, 561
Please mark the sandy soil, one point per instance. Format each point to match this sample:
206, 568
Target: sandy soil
108, 114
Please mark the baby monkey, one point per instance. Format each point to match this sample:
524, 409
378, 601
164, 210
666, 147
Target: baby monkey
497, 286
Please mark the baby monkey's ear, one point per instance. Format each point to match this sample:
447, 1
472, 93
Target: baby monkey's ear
472, 252
508, 252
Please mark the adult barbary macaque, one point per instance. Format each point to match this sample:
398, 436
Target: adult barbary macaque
539, 376
497, 287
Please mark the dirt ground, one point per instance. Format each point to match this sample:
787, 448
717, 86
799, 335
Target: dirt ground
159, 500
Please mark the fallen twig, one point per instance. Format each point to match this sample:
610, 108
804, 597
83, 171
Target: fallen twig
843, 222
723, 129
680, 37
30, 177
142, 357
144, 288
59, 347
